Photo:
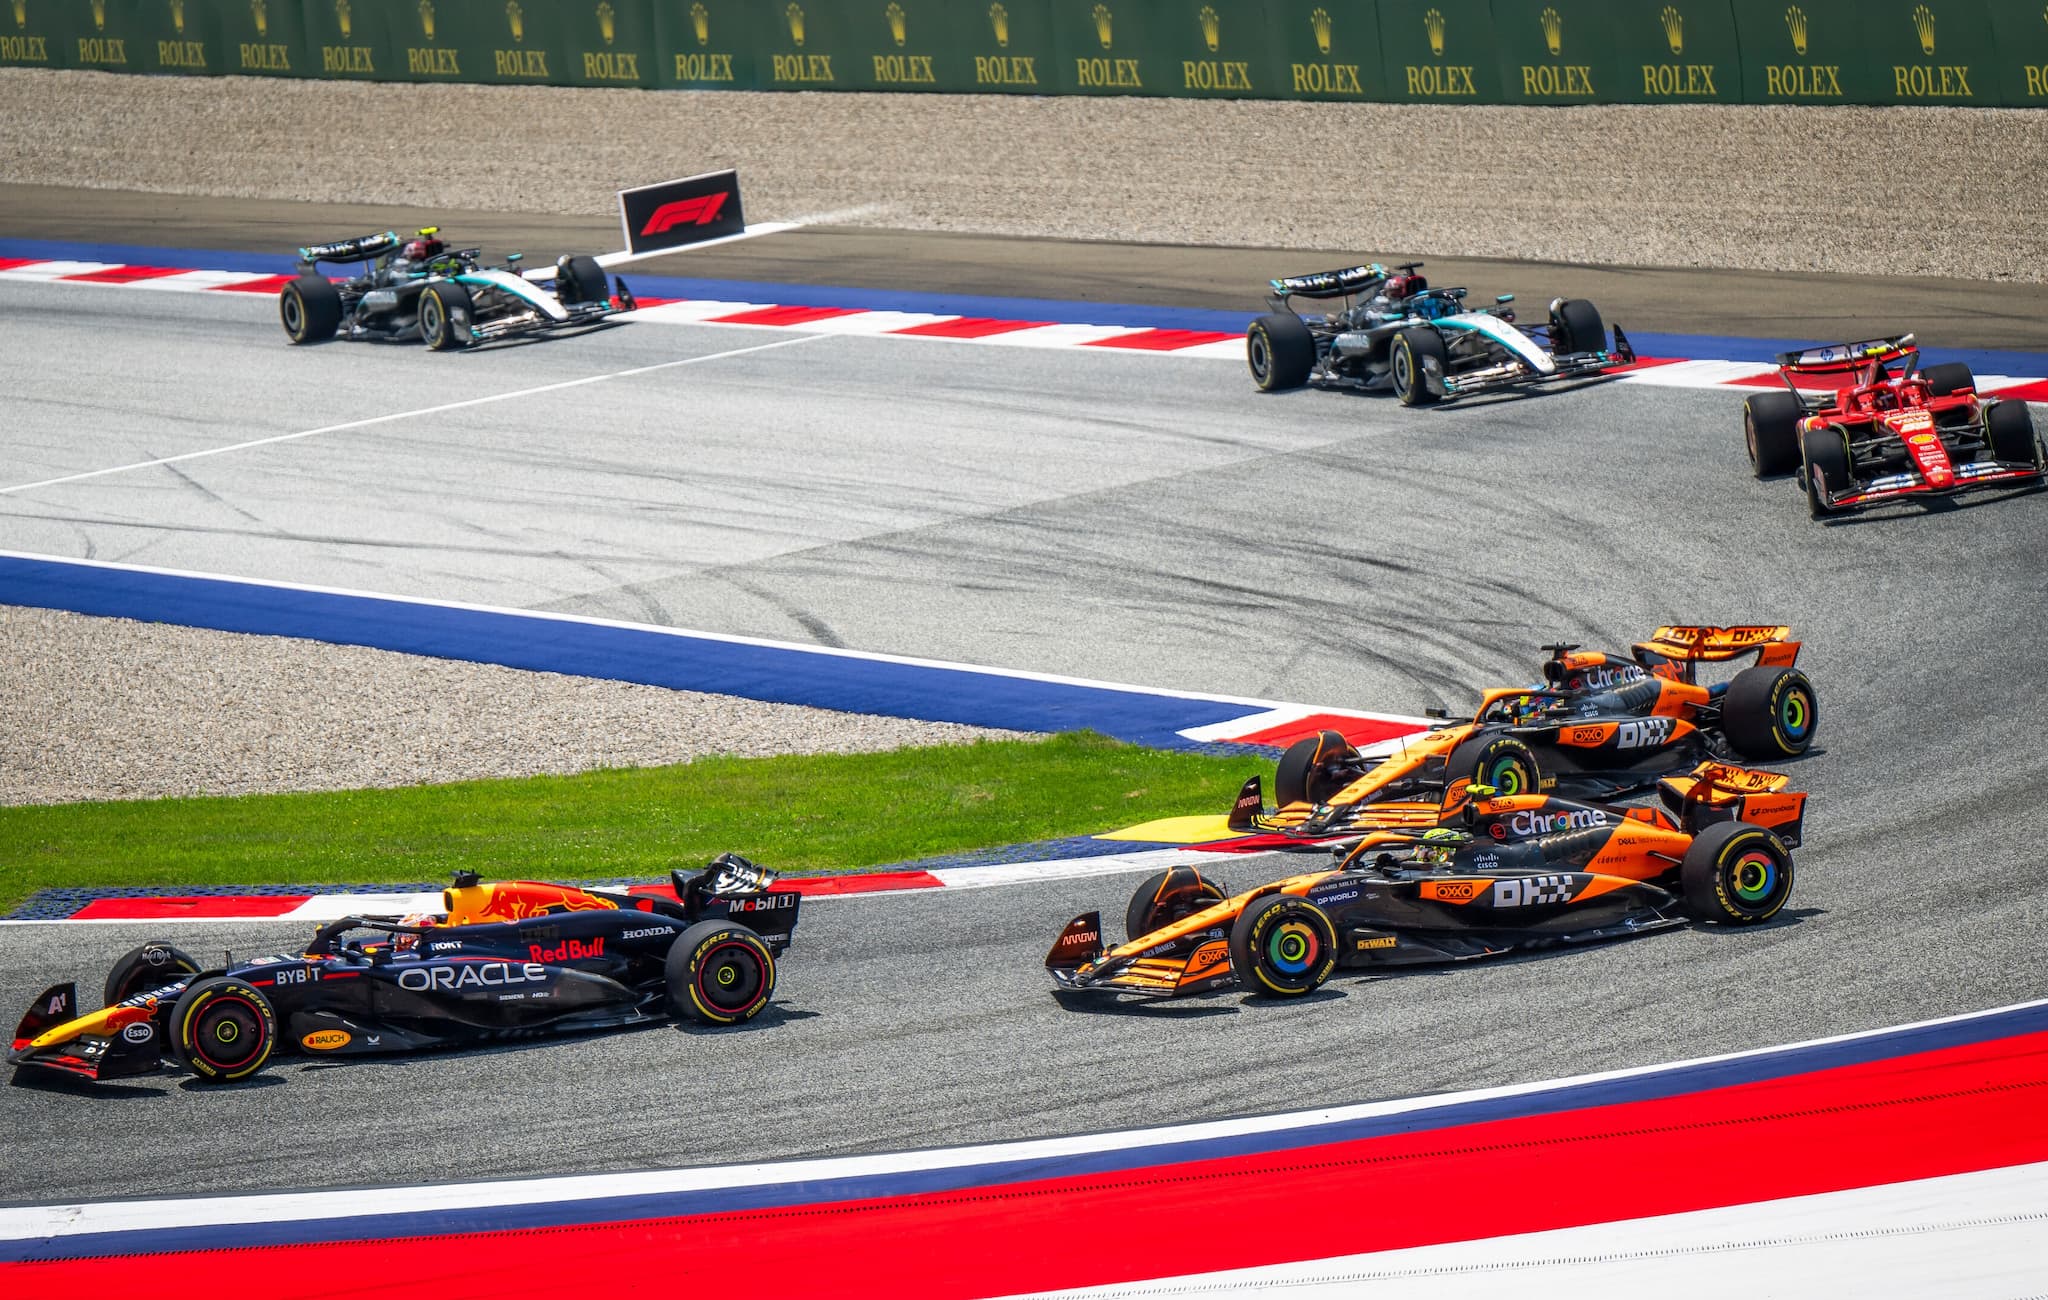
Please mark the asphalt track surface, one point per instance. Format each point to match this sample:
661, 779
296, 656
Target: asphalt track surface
1136, 518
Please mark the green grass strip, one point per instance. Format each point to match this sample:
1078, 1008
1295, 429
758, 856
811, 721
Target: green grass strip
799, 814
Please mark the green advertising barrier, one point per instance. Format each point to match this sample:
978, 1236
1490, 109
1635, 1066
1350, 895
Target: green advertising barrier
1811, 52
352, 39
707, 44
1014, 53
1931, 51
607, 43
1106, 47
1440, 51
1684, 51
1556, 51
1217, 49
2019, 70
107, 35
36, 34
489, 41
1327, 49
263, 38
179, 37
803, 45
912, 45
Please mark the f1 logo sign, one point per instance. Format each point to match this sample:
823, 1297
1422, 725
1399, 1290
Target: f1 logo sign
700, 211
679, 213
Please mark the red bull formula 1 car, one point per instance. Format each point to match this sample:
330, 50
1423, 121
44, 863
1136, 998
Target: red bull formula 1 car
1600, 725
1891, 431
1505, 872
507, 960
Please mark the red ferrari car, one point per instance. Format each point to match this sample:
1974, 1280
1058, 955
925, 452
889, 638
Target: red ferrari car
1886, 430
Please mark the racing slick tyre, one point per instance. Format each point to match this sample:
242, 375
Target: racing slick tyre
1575, 326
1303, 776
223, 1029
1948, 377
579, 279
1735, 874
1280, 351
1283, 946
1172, 895
1825, 450
444, 316
310, 308
2009, 428
1770, 425
1769, 713
1506, 763
151, 966
719, 973
1406, 361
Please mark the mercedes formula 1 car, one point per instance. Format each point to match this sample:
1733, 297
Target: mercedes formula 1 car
1887, 429
507, 960
445, 297
1600, 724
1395, 332
1512, 871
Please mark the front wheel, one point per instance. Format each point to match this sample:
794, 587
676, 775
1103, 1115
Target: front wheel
1407, 364
310, 308
1575, 326
1280, 351
1770, 427
1283, 946
1736, 874
223, 1029
1505, 763
579, 279
1304, 775
1826, 455
1769, 713
444, 316
1172, 895
719, 973
151, 966
2009, 428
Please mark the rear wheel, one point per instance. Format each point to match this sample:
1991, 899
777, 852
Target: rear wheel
223, 1029
1280, 351
1172, 895
1736, 874
310, 308
1575, 326
1302, 776
2009, 428
1407, 361
579, 279
1949, 377
151, 966
719, 973
1283, 946
444, 316
1825, 450
1506, 763
1770, 426
1769, 713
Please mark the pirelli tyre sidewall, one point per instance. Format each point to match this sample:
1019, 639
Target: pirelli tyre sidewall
309, 308
444, 316
1506, 763
1736, 874
223, 1029
1283, 946
1280, 351
720, 973
1770, 713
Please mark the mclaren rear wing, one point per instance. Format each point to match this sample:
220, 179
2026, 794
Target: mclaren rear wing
1687, 646
1719, 792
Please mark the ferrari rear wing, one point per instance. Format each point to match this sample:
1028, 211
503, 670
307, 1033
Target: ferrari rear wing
363, 248
1690, 645
1330, 284
1843, 358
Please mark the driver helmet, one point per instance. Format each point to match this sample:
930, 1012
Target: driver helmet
410, 942
423, 249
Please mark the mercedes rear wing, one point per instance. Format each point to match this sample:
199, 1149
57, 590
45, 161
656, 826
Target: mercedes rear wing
1330, 284
363, 248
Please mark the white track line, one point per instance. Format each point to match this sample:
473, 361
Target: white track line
406, 415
